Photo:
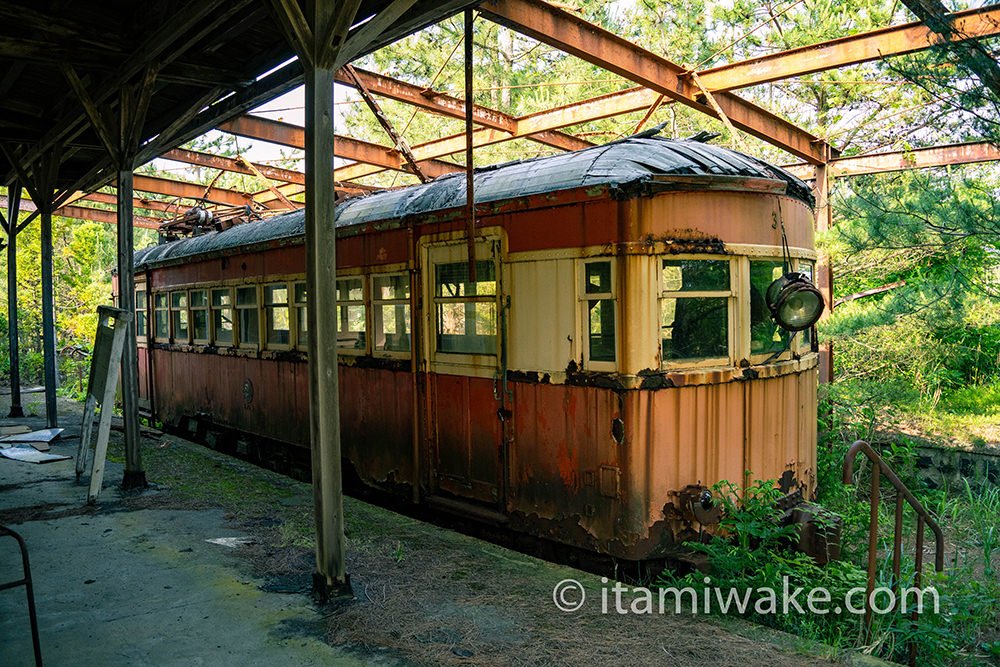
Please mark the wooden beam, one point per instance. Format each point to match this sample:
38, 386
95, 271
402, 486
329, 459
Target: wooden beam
368, 32
882, 43
589, 42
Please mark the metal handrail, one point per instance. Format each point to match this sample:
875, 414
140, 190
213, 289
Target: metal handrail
26, 582
880, 467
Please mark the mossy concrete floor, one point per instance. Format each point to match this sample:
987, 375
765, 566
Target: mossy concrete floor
135, 581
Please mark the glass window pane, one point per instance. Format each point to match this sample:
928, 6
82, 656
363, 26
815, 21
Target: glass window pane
300, 292
278, 325
392, 327
694, 328
351, 326
199, 298
160, 300
696, 275
350, 289
180, 319
221, 297
385, 288
766, 337
178, 299
223, 323
248, 325
246, 296
601, 329
467, 328
806, 269
277, 294
598, 277
302, 325
199, 324
452, 280
140, 313
162, 321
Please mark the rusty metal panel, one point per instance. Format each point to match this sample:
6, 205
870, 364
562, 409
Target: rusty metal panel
376, 421
467, 436
562, 458
781, 430
714, 215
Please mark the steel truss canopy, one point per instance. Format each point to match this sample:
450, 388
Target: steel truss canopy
190, 66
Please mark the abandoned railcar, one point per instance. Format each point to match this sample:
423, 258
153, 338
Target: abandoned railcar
614, 356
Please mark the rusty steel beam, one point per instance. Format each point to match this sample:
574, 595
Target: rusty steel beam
604, 106
229, 164
589, 42
286, 134
152, 206
105, 216
452, 107
882, 43
919, 158
194, 191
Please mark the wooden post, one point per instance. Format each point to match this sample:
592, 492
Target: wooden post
46, 190
316, 36
134, 477
13, 207
470, 167
824, 274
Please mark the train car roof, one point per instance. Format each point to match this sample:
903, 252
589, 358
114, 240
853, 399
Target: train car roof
628, 162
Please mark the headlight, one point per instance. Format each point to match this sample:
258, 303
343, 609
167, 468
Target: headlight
794, 302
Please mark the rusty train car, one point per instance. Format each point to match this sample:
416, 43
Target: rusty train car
613, 358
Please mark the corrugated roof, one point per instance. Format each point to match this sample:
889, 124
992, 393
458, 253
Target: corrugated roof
629, 161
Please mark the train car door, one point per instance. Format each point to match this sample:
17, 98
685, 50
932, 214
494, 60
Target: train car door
463, 348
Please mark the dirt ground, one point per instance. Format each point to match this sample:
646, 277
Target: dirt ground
424, 594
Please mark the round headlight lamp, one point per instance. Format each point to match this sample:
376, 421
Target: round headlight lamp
794, 302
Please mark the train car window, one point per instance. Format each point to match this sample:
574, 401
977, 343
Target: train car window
694, 309
140, 313
277, 323
247, 316
161, 315
199, 315
391, 312
766, 337
179, 316
466, 311
351, 316
301, 319
600, 311
222, 317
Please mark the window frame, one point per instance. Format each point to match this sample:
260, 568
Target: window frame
141, 313
733, 314
759, 358
185, 310
266, 309
157, 310
206, 309
378, 303
449, 251
364, 302
298, 312
240, 342
583, 309
212, 308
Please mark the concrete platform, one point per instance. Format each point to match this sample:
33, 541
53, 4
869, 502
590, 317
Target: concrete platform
121, 587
